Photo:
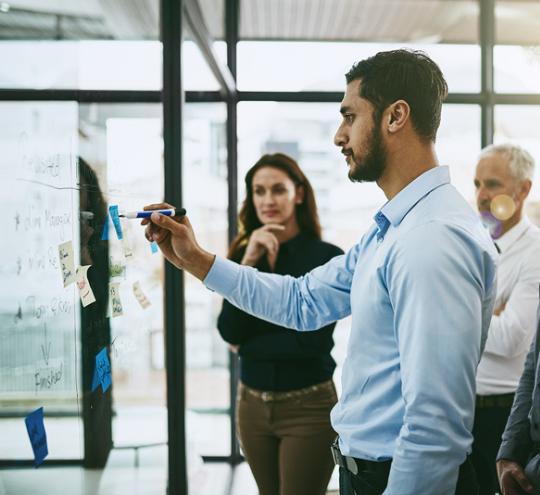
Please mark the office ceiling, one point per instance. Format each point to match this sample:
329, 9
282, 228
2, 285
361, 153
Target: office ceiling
427, 21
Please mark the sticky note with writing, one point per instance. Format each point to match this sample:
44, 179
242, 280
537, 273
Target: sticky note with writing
140, 295
103, 369
85, 291
67, 262
113, 211
114, 299
126, 246
154, 247
37, 435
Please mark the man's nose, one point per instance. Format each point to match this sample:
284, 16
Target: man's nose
482, 195
340, 139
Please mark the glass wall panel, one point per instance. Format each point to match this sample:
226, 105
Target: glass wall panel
99, 65
517, 56
513, 124
205, 198
88, 351
40, 330
311, 66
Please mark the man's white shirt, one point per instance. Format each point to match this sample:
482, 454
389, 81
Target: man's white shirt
510, 334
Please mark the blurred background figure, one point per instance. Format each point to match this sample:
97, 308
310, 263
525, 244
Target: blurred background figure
503, 180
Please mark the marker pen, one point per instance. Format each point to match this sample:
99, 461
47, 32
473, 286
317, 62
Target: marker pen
146, 214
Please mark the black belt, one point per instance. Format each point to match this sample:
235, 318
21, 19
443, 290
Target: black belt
355, 465
503, 400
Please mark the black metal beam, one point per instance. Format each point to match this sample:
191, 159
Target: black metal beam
292, 96
513, 99
80, 95
171, 32
30, 463
103, 96
487, 41
232, 19
197, 25
126, 96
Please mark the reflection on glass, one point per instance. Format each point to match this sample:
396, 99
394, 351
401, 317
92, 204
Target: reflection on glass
95, 325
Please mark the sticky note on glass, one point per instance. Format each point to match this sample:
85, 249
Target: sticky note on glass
103, 369
95, 380
113, 211
140, 295
37, 435
126, 248
67, 262
85, 291
105, 231
114, 299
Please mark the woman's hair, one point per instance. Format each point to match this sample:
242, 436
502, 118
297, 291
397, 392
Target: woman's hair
306, 212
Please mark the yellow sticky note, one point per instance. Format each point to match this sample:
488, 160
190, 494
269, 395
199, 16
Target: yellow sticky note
114, 299
67, 262
85, 291
140, 295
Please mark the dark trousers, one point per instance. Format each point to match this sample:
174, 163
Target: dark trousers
372, 479
489, 423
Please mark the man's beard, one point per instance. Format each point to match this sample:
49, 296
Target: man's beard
372, 166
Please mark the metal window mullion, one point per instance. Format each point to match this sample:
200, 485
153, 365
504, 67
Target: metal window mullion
171, 32
487, 42
231, 37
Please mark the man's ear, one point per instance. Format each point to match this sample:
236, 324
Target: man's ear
525, 189
397, 115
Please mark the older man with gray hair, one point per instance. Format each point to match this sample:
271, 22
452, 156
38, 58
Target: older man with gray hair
503, 179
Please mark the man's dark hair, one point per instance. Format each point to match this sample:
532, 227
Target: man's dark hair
408, 75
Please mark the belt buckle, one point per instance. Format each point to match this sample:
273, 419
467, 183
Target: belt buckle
343, 461
266, 396
351, 464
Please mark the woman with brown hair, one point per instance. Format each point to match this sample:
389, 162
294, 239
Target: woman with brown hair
286, 391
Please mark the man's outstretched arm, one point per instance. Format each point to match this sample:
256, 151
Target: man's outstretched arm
305, 303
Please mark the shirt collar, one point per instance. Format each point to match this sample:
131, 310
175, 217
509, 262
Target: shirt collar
395, 210
507, 239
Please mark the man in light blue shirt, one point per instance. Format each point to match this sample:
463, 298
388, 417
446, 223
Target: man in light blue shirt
420, 286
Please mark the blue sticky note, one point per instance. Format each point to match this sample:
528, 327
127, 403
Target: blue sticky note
154, 247
103, 369
38, 437
113, 210
95, 380
105, 231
